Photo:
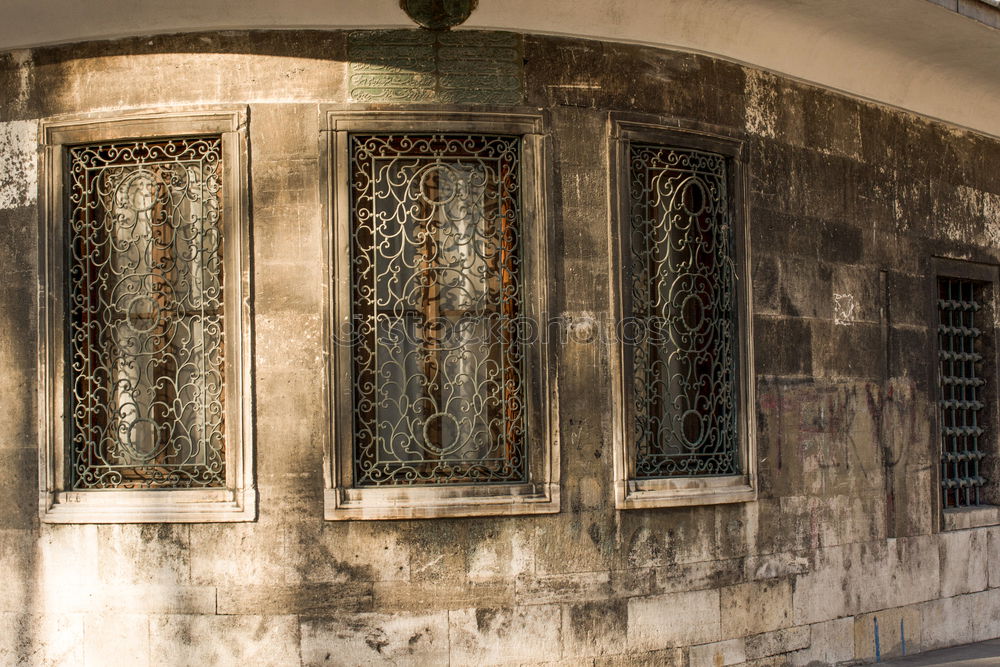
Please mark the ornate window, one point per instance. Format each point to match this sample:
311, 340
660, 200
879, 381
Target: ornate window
144, 325
683, 432
438, 254
965, 315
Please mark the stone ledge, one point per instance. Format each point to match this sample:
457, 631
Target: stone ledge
971, 517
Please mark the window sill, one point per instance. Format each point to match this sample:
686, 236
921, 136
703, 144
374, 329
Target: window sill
436, 502
144, 506
971, 517
683, 492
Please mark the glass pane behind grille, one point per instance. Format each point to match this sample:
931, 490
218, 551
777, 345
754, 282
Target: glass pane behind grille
962, 383
684, 301
438, 392
145, 315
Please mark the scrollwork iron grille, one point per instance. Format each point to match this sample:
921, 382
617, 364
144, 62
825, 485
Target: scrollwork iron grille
436, 303
684, 301
145, 314
961, 358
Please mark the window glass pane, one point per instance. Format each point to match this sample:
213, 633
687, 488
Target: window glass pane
145, 315
684, 301
438, 394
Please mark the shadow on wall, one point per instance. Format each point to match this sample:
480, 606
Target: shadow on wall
19, 527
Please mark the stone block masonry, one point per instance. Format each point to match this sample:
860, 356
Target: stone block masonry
847, 202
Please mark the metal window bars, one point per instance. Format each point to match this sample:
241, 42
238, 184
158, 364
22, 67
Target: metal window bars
961, 412
682, 282
145, 316
436, 300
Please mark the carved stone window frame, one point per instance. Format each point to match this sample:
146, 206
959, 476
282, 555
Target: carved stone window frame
630, 492
57, 502
540, 494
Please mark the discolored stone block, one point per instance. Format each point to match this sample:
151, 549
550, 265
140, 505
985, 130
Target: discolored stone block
674, 619
830, 643
718, 654
963, 562
374, 639
485, 635
309, 599
778, 642
144, 554
894, 629
594, 628
789, 343
33, 638
424, 596
222, 640
756, 607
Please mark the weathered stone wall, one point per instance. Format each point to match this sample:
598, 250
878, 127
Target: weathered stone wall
848, 201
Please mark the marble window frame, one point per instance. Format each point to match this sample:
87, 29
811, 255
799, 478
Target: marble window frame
237, 501
630, 492
540, 494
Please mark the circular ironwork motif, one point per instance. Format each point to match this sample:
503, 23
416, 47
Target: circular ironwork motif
137, 192
692, 300
143, 314
142, 439
693, 428
439, 184
433, 431
692, 197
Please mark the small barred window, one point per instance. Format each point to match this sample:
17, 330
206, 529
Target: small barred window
962, 339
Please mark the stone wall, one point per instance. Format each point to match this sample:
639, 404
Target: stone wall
848, 202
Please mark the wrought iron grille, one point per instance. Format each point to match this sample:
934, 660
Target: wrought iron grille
960, 356
436, 301
684, 300
145, 322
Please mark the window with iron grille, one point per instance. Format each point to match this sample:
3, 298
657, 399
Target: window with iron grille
438, 396
963, 341
681, 275
145, 306
967, 470
681, 252
438, 399
145, 322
